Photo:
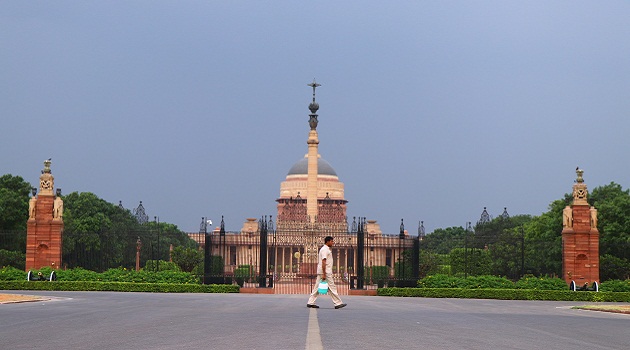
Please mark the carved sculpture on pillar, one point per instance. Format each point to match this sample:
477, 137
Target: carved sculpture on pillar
593, 212
567, 217
32, 204
58, 206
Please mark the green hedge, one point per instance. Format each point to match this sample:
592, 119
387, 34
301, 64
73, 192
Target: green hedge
10, 273
542, 283
615, 286
111, 275
493, 282
506, 294
118, 287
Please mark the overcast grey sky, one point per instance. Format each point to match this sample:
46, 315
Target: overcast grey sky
429, 110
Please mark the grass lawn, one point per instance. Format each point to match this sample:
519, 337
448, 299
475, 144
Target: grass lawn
16, 298
622, 309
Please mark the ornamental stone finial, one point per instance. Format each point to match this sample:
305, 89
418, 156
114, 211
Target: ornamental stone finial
579, 173
46, 180
47, 166
580, 193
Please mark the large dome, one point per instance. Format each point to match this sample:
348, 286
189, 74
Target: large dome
301, 168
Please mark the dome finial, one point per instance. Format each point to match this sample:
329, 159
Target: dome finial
314, 106
314, 85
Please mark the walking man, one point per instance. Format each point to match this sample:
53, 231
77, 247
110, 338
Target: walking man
324, 273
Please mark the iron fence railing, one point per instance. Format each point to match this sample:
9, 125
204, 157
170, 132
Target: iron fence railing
509, 255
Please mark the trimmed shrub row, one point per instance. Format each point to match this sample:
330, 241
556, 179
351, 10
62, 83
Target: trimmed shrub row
111, 275
527, 282
493, 282
615, 286
506, 294
118, 287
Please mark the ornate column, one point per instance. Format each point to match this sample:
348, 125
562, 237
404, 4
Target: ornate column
313, 142
580, 237
45, 224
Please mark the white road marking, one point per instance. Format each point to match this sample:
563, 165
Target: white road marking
313, 338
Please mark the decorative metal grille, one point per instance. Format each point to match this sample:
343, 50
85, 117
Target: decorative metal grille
140, 214
293, 213
485, 217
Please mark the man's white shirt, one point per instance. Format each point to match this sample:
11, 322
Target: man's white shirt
325, 253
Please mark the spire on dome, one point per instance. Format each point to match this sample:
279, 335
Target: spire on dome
314, 106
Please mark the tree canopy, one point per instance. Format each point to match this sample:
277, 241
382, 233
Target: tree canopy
613, 205
524, 244
99, 235
14, 196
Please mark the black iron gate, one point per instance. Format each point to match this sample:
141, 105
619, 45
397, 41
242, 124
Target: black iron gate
285, 259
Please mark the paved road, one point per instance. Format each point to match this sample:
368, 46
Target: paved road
108, 320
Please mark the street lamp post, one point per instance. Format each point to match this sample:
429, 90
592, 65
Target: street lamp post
468, 230
138, 246
401, 259
522, 252
157, 223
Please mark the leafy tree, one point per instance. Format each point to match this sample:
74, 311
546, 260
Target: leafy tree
161, 265
99, 235
187, 258
377, 274
429, 263
96, 232
13, 258
503, 238
613, 268
442, 241
403, 269
217, 266
14, 197
613, 205
471, 261
543, 241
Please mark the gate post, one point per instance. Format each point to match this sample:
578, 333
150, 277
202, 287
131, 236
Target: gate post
415, 260
224, 253
272, 230
402, 275
207, 256
262, 270
360, 253
416, 251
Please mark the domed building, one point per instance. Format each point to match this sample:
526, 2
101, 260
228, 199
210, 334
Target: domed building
295, 182
310, 207
331, 204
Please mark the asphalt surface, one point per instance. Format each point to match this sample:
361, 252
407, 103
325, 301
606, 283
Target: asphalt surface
110, 320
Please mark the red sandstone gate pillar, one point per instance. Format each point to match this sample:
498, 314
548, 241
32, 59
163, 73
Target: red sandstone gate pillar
44, 225
580, 238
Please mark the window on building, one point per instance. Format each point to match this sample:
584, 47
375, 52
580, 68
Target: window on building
233, 255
